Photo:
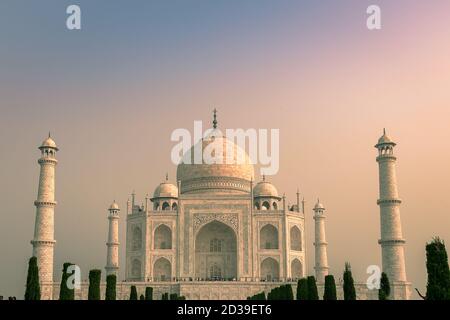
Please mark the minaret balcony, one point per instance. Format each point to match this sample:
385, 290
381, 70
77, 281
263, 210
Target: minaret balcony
388, 201
391, 241
47, 160
386, 157
38, 203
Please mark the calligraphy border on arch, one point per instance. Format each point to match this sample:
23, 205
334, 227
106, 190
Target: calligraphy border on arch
230, 219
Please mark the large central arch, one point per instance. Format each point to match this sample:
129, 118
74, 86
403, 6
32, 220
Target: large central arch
216, 252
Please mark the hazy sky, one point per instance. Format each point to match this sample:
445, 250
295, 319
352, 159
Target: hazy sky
113, 92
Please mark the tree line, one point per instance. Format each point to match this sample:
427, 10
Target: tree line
438, 283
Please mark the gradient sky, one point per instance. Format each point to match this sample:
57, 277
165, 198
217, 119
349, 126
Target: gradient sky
112, 93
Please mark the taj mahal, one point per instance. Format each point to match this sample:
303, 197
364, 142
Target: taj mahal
216, 233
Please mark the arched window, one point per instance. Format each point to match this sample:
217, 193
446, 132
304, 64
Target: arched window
137, 239
162, 270
174, 206
268, 237
163, 237
265, 205
215, 245
274, 205
136, 268
156, 206
166, 206
215, 272
270, 269
257, 206
296, 239
215, 242
296, 269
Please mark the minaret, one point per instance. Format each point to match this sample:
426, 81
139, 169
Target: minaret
320, 243
392, 242
112, 256
43, 241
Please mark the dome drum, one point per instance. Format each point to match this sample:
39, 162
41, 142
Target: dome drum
216, 184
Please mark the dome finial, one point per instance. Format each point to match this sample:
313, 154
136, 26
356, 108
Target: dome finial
167, 176
264, 177
215, 118
49, 135
384, 131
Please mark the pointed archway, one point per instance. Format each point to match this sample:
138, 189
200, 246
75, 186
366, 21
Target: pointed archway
216, 252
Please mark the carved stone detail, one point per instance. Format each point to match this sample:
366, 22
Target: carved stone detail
201, 219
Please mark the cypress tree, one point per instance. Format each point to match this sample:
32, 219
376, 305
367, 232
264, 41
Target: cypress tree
111, 281
278, 293
289, 293
141, 297
259, 296
302, 289
148, 293
330, 288
33, 289
286, 295
133, 293
385, 288
94, 284
312, 288
438, 283
349, 286
64, 292
173, 296
165, 296
273, 294
270, 295
281, 292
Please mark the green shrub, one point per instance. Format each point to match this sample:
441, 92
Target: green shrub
133, 293
148, 293
33, 289
111, 281
302, 289
94, 284
349, 285
330, 288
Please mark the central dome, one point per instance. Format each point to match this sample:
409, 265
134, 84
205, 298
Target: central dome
223, 167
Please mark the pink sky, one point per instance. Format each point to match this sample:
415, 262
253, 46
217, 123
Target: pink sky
111, 97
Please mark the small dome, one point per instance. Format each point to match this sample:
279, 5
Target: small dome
385, 139
114, 206
319, 206
166, 190
265, 189
49, 143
